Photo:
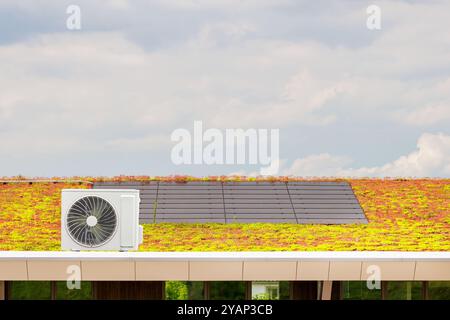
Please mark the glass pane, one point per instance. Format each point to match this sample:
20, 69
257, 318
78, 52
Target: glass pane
63, 293
176, 290
357, 290
439, 290
227, 290
404, 290
195, 290
285, 290
265, 290
30, 290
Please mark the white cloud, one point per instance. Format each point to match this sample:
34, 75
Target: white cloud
223, 4
221, 33
322, 164
310, 93
427, 115
432, 158
153, 143
79, 84
231, 64
119, 4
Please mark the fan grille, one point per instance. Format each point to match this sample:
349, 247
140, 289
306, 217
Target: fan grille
87, 234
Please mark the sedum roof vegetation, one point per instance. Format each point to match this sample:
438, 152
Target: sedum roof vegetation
403, 214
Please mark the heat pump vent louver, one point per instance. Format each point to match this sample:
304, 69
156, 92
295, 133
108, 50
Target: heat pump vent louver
91, 221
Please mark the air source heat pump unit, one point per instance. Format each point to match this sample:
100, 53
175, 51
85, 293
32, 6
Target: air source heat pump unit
97, 219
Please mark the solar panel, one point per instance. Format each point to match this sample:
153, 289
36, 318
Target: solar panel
325, 203
306, 202
243, 203
190, 202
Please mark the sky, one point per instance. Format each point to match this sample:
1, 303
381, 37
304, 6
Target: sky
105, 99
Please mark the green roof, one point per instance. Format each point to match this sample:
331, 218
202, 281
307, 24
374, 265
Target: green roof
403, 214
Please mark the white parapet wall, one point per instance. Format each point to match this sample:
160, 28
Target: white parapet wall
215, 266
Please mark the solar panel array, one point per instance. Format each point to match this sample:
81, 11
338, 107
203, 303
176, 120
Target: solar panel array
305, 202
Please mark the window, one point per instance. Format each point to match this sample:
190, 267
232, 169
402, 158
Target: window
404, 290
47, 290
63, 293
196, 290
270, 290
398, 290
199, 290
29, 290
227, 290
177, 290
439, 290
357, 290
265, 290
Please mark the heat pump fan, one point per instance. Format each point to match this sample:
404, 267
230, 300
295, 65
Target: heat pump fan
95, 219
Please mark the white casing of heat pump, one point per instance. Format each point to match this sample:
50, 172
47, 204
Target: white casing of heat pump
128, 234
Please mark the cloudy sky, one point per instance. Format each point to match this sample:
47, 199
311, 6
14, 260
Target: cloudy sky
105, 99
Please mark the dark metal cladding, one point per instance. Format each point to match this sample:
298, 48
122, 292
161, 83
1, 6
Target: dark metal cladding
308, 202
